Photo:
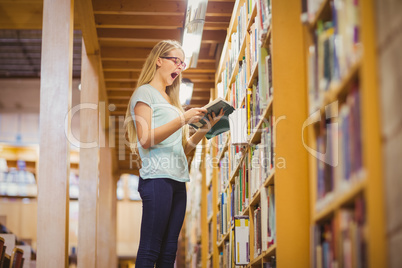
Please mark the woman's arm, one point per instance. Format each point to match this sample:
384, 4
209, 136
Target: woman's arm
150, 137
197, 136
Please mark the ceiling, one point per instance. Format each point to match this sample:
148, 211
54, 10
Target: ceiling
124, 32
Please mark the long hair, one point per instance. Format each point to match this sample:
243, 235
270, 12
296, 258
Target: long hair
148, 71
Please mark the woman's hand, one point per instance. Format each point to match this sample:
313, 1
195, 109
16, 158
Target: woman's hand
194, 115
212, 120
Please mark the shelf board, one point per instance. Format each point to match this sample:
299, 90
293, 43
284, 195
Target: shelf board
210, 218
256, 137
323, 12
338, 201
232, 177
245, 211
267, 37
224, 238
227, 94
222, 60
271, 178
233, 19
255, 261
31, 197
256, 198
340, 88
224, 149
253, 75
17, 196
252, 17
239, 58
268, 253
243, 101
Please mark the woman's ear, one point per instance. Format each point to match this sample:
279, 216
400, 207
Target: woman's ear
159, 62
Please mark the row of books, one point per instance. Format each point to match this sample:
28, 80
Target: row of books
264, 16
238, 88
336, 49
339, 145
253, 55
209, 203
261, 158
238, 37
264, 221
225, 220
240, 190
250, 104
17, 183
225, 256
341, 241
223, 173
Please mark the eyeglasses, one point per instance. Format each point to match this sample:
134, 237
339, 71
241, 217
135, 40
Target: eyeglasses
176, 61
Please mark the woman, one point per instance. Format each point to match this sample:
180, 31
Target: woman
157, 126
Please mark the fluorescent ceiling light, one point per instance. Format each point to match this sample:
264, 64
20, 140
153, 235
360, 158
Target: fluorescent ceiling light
193, 28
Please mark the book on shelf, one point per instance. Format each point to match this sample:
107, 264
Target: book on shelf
238, 126
241, 240
223, 124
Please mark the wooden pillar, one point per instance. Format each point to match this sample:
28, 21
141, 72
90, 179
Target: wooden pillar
291, 158
55, 102
89, 161
106, 219
113, 227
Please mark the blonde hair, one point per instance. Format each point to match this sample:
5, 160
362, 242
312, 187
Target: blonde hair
162, 49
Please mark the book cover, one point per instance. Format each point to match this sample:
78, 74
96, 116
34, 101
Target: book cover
223, 124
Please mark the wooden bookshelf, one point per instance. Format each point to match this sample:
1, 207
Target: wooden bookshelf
290, 95
295, 183
366, 184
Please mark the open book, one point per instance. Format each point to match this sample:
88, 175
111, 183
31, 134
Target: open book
223, 124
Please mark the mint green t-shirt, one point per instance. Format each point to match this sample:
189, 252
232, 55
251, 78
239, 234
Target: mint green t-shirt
166, 159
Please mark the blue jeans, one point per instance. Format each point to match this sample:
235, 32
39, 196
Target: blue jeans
163, 210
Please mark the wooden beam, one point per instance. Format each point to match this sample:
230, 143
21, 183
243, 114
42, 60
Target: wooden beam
205, 85
127, 7
121, 89
121, 76
87, 22
136, 66
17, 15
133, 76
119, 102
139, 35
106, 254
220, 9
140, 21
54, 164
119, 93
91, 42
117, 66
89, 161
216, 26
125, 53
121, 85
212, 50
214, 36
200, 77
140, 54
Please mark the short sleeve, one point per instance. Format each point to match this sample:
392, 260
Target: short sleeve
141, 94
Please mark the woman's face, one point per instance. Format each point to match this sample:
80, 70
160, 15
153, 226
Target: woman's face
170, 66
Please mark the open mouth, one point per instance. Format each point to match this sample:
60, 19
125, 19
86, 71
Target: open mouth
174, 75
